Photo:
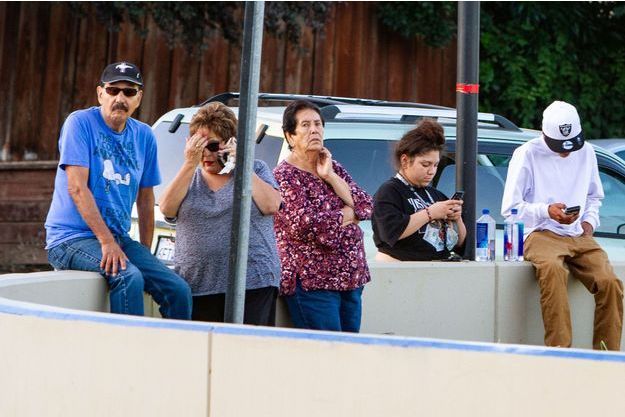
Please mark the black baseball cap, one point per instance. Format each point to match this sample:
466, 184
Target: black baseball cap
122, 71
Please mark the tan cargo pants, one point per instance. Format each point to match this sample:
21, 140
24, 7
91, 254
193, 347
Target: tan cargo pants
553, 256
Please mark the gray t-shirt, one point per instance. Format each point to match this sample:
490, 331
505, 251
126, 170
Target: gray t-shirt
203, 229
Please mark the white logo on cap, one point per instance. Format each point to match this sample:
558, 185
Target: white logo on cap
567, 145
565, 129
123, 67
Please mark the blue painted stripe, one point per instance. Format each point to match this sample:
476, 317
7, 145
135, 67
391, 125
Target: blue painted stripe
24, 309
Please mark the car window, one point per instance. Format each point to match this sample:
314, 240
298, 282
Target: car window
612, 211
490, 184
498, 160
268, 150
621, 154
170, 147
368, 161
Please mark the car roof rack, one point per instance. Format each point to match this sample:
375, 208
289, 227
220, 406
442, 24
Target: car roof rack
346, 113
323, 101
320, 101
338, 109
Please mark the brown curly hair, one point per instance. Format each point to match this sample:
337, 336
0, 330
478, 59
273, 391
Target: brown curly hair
217, 117
427, 136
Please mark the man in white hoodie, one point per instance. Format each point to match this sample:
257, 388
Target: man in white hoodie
545, 176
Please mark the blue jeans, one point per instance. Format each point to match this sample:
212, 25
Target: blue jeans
143, 273
326, 309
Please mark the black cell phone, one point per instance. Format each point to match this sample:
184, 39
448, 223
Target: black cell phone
458, 195
571, 210
222, 159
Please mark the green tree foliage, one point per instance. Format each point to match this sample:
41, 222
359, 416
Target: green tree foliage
532, 53
190, 24
435, 21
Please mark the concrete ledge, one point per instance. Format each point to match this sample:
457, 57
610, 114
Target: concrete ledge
496, 302
59, 362
72, 366
488, 302
69, 289
431, 299
80, 290
518, 316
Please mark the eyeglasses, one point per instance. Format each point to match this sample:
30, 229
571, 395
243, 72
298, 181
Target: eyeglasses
128, 92
213, 146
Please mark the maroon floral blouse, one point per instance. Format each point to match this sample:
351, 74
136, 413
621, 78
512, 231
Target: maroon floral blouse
312, 244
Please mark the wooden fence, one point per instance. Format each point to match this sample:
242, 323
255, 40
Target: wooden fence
51, 60
25, 195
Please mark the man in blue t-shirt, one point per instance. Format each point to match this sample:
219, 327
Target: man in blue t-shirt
107, 162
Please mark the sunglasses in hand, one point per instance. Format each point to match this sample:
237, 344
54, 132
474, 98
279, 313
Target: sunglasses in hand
114, 91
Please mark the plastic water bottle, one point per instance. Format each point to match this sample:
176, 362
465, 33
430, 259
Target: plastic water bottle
485, 237
513, 238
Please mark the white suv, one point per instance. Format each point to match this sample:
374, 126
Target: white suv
361, 135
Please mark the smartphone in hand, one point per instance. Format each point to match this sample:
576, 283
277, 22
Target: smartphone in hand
571, 210
222, 158
458, 195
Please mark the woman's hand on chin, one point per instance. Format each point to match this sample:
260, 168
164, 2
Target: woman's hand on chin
324, 164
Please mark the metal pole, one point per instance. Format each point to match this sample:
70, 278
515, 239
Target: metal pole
248, 104
467, 89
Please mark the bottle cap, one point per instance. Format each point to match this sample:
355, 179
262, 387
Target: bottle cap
485, 211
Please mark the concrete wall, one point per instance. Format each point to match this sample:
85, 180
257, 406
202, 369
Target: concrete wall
67, 367
431, 299
486, 302
58, 362
495, 302
304, 375
78, 290
518, 317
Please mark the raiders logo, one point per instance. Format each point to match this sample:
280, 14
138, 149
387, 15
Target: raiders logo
565, 129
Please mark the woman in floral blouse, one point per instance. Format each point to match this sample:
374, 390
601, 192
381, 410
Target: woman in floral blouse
319, 241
